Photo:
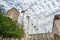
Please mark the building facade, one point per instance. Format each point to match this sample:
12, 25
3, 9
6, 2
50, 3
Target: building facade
41, 36
56, 27
13, 14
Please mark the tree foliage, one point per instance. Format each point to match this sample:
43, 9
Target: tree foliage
8, 28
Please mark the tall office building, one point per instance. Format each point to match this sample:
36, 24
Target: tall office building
13, 14
56, 27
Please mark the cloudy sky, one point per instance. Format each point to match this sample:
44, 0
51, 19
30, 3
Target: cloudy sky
41, 12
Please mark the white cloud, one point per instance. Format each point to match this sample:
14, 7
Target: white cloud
41, 11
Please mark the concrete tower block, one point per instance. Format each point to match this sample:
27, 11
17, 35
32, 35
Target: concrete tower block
56, 25
13, 14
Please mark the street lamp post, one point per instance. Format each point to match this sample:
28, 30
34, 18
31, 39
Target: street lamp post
28, 17
23, 12
49, 34
36, 32
32, 31
46, 34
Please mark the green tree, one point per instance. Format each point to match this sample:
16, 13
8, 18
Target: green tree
9, 28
